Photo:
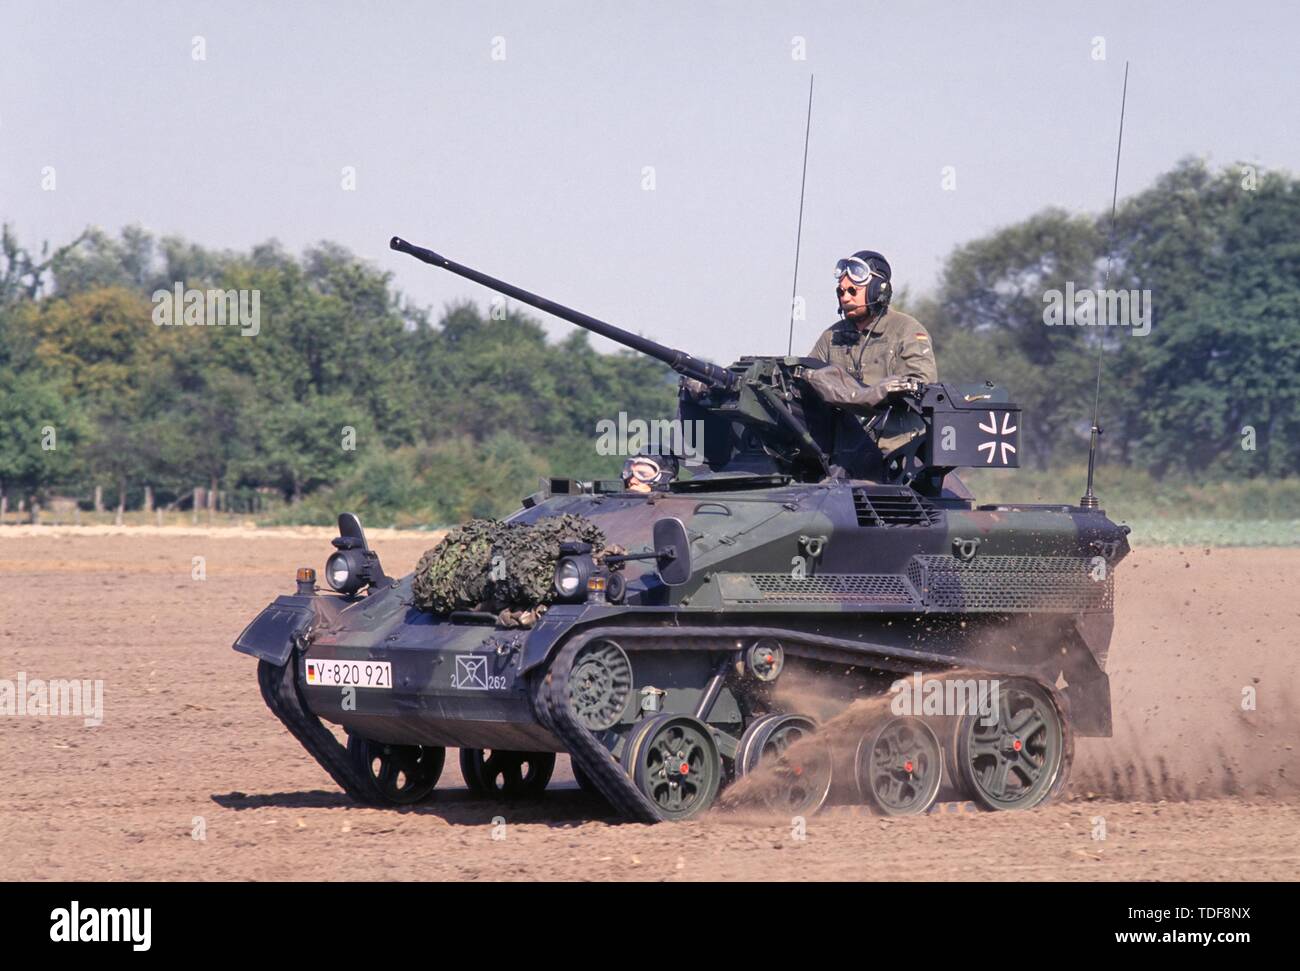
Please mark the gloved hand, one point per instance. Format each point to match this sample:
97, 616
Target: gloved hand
693, 388
837, 387
894, 384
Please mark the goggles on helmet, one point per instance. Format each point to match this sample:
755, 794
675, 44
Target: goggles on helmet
642, 469
857, 270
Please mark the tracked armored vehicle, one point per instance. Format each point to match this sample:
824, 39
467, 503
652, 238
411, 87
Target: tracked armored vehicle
788, 584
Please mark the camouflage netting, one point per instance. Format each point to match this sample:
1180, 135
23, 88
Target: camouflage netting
454, 574
459, 574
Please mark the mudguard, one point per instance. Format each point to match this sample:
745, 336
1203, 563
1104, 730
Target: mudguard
274, 632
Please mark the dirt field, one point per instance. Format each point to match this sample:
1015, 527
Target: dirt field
1190, 787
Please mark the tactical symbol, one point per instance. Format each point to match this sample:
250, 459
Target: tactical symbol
471, 672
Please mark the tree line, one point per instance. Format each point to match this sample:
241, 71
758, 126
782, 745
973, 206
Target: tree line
349, 394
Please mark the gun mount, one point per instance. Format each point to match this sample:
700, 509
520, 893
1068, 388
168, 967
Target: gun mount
759, 416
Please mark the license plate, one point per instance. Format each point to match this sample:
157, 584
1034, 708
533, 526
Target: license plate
349, 674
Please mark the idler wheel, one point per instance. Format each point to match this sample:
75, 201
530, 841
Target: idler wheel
399, 774
1019, 761
600, 685
506, 775
899, 766
674, 760
799, 763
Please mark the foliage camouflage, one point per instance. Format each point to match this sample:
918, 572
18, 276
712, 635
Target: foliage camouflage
528, 557
454, 574
458, 573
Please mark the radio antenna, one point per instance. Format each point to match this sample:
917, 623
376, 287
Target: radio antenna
798, 238
1090, 500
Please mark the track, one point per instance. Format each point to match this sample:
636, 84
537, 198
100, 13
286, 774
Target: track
280, 692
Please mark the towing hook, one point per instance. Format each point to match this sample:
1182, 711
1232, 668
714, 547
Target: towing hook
965, 549
1107, 548
813, 545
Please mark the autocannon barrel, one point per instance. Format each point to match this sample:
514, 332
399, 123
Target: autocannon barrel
679, 361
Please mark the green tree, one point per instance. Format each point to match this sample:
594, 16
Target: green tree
1224, 349
38, 434
987, 322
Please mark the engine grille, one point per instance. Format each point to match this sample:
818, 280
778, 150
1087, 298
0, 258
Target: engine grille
1013, 583
874, 588
900, 507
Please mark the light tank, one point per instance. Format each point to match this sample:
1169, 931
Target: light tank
781, 615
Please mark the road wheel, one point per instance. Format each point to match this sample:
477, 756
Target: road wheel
497, 773
674, 761
399, 774
1022, 759
796, 765
899, 766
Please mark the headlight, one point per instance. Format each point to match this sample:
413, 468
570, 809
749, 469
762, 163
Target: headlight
571, 578
355, 565
342, 574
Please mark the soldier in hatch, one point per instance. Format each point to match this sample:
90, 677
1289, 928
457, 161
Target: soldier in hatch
873, 354
645, 473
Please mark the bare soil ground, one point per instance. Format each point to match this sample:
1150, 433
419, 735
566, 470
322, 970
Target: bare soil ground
1192, 787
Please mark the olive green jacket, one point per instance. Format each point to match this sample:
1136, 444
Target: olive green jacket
894, 344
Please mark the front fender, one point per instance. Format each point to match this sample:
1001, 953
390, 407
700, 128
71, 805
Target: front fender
275, 632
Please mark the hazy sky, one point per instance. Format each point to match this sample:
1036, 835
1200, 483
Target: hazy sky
531, 167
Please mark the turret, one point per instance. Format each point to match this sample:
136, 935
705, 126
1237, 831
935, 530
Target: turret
760, 417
